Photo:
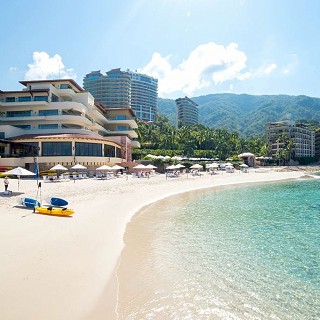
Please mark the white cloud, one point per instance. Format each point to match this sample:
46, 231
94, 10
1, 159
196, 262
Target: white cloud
269, 68
46, 67
292, 65
13, 69
208, 65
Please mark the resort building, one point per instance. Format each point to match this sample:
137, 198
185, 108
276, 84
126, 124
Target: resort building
281, 135
187, 112
113, 90
124, 89
144, 96
56, 121
317, 144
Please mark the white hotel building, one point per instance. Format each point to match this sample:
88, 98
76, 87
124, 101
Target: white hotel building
56, 121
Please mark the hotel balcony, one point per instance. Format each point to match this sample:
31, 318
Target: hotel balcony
135, 144
17, 105
130, 133
129, 122
74, 119
67, 93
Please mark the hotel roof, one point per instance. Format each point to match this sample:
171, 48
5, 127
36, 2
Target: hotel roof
91, 136
26, 82
25, 91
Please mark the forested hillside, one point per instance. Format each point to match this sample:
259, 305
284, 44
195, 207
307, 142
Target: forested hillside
245, 113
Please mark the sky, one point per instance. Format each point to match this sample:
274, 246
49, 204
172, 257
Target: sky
193, 47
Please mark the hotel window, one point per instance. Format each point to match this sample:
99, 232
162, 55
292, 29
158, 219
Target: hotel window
56, 148
54, 98
13, 114
109, 151
48, 126
88, 149
10, 99
120, 117
51, 112
24, 99
65, 86
31, 148
118, 153
23, 126
41, 98
121, 128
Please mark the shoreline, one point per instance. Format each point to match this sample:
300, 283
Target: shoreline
57, 267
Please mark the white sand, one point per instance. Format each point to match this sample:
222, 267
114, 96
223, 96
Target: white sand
59, 268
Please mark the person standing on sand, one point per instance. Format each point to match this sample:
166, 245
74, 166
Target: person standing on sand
6, 183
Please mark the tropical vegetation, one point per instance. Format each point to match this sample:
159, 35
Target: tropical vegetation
162, 138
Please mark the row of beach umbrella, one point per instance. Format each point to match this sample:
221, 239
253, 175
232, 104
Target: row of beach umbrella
24, 172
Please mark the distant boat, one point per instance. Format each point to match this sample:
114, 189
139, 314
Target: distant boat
28, 202
54, 211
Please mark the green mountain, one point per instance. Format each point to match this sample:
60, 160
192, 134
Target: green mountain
245, 113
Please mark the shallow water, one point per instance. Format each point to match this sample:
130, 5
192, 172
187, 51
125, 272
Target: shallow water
241, 253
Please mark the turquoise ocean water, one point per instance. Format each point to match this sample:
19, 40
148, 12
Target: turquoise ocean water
241, 253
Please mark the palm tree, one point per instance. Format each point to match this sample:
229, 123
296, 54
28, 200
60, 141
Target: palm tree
286, 152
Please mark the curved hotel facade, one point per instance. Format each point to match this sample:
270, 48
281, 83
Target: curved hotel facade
56, 121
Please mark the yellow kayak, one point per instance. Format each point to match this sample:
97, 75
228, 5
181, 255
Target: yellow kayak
55, 211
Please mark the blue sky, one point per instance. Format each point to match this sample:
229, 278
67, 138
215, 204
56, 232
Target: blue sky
193, 47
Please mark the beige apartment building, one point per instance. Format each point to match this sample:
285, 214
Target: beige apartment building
303, 139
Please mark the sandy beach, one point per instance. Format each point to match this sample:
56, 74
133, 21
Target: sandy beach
62, 268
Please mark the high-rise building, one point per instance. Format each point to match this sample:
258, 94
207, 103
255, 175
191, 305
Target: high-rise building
187, 112
124, 89
302, 139
144, 96
113, 90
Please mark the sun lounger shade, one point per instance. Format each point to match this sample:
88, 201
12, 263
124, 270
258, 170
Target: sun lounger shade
78, 167
59, 167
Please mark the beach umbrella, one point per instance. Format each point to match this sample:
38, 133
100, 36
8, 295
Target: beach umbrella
179, 165
18, 172
58, 167
243, 165
104, 167
196, 166
172, 167
176, 158
140, 166
116, 167
79, 167
151, 166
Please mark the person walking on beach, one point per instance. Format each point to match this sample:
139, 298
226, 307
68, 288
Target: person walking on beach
6, 183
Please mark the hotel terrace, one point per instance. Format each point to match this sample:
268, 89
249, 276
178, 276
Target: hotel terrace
56, 121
